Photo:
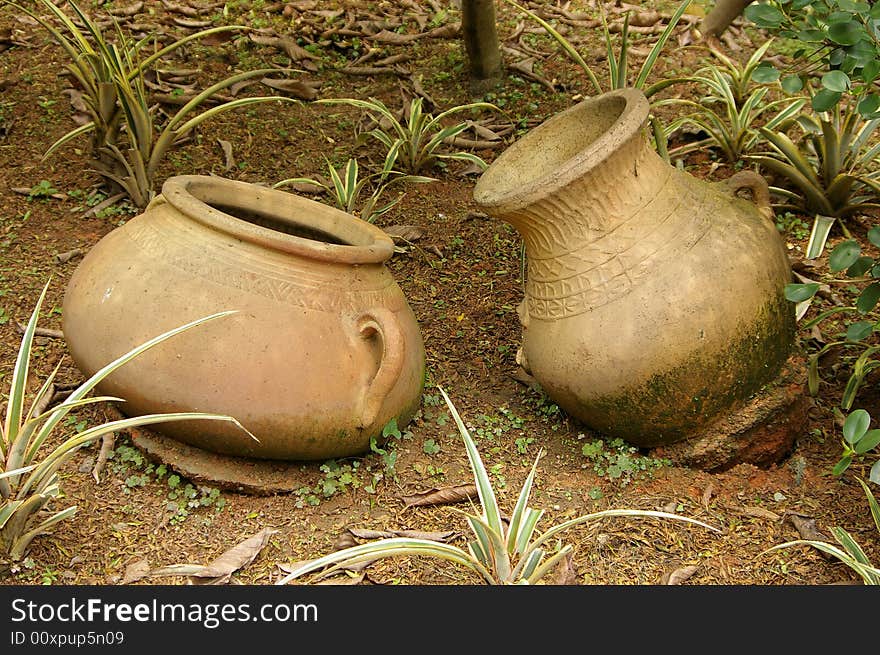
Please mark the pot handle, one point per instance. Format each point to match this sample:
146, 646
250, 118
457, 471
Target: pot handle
155, 202
757, 185
383, 323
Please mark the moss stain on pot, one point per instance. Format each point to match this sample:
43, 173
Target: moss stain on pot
666, 407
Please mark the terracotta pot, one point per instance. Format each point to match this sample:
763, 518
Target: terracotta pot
324, 349
654, 300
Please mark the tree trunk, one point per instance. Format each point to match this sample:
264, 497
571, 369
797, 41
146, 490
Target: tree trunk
481, 43
721, 16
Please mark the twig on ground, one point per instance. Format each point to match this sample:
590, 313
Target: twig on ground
42, 332
107, 444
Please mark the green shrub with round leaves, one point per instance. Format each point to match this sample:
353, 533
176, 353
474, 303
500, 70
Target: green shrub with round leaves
848, 258
840, 51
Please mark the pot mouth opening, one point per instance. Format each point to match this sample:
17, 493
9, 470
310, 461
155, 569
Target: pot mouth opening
277, 220
271, 222
562, 148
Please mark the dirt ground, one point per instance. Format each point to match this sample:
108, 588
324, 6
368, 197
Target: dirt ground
463, 278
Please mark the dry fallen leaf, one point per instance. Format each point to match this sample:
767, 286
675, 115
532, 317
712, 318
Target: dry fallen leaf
221, 569
306, 188
645, 18
441, 496
566, 574
759, 513
238, 86
129, 10
229, 160
181, 9
135, 571
191, 24
384, 36
707, 494
345, 579
361, 533
444, 535
410, 534
239, 555
482, 131
404, 233
76, 100
806, 527
345, 540
679, 575
295, 88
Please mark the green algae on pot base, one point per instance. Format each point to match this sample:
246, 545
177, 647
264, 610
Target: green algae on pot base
674, 404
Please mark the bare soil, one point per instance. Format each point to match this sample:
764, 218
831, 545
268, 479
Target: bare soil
463, 279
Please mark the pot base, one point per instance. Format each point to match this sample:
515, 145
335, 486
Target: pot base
256, 477
761, 432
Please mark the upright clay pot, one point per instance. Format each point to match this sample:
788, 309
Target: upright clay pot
654, 300
323, 350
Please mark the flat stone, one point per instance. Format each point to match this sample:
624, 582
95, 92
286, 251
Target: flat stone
761, 432
250, 476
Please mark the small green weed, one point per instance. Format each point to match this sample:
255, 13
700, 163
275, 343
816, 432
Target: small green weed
49, 576
183, 497
543, 407
492, 426
342, 476
523, 443
78, 424
390, 434
618, 460
793, 225
339, 477
42, 190
430, 470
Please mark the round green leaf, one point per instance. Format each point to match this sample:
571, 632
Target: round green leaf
867, 106
811, 36
855, 6
800, 292
868, 442
847, 32
875, 473
849, 65
861, 267
836, 81
859, 330
825, 99
855, 425
792, 83
836, 57
844, 255
868, 298
765, 73
870, 71
862, 53
842, 465
765, 16
874, 235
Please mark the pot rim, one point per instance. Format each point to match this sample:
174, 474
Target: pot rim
491, 194
364, 243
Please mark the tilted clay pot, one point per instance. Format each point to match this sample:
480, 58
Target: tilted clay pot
323, 351
654, 300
